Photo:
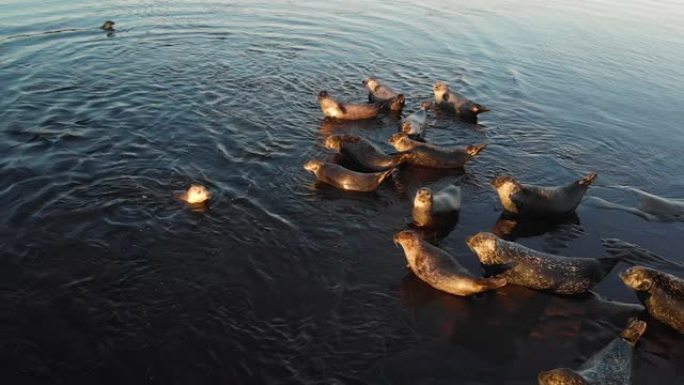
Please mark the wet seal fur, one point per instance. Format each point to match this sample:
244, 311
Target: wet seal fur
342, 178
385, 96
430, 208
537, 270
335, 110
453, 102
108, 26
612, 365
662, 294
538, 201
414, 124
440, 270
428, 155
363, 152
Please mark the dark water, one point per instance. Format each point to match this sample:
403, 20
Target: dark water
106, 278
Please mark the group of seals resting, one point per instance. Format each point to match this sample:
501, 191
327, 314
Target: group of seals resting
611, 365
523, 266
662, 294
537, 201
439, 269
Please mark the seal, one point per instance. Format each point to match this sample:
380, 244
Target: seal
430, 209
382, 94
456, 103
414, 124
538, 201
428, 155
662, 294
650, 207
196, 194
108, 25
335, 110
611, 365
342, 178
363, 152
537, 270
440, 270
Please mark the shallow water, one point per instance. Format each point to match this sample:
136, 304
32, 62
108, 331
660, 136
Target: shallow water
105, 277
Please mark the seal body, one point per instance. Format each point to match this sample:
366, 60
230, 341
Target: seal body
537, 270
414, 124
335, 110
108, 25
455, 103
342, 178
537, 201
363, 152
383, 95
433, 208
662, 294
610, 366
428, 155
440, 270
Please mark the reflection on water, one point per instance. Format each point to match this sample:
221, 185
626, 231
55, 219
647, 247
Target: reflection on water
106, 277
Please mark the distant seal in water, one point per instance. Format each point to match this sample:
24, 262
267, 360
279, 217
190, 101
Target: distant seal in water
196, 194
342, 178
537, 270
428, 155
453, 102
439, 269
662, 294
363, 152
108, 25
385, 96
610, 366
538, 201
414, 124
651, 207
430, 209
335, 110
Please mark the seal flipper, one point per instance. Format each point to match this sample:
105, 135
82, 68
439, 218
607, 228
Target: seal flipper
634, 330
587, 180
491, 283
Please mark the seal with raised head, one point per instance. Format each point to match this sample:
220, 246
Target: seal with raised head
612, 365
336, 110
537, 270
440, 270
342, 178
539, 201
108, 25
363, 152
385, 96
431, 209
456, 103
662, 294
429, 155
414, 124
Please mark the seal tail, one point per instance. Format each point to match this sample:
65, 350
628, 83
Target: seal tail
389, 173
587, 180
634, 330
491, 283
475, 149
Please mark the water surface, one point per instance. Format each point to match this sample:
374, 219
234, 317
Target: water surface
105, 277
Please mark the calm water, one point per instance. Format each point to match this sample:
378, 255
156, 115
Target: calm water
106, 278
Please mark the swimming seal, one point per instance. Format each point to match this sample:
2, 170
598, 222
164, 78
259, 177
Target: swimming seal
662, 294
538, 201
651, 207
610, 366
440, 270
363, 152
196, 194
385, 96
335, 110
430, 209
537, 270
414, 124
345, 179
428, 155
108, 25
456, 103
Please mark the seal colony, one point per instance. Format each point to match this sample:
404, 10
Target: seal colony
504, 262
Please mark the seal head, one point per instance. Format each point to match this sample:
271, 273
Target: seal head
313, 165
484, 245
108, 25
639, 278
400, 141
561, 376
196, 194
